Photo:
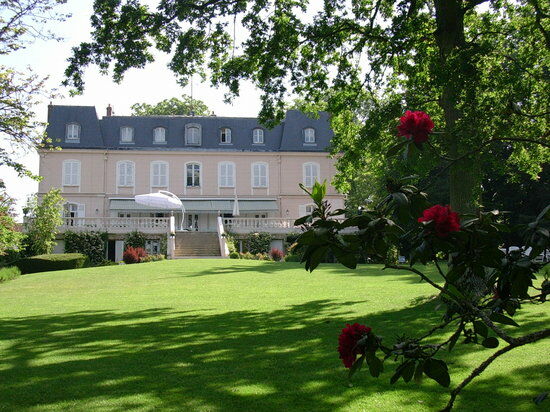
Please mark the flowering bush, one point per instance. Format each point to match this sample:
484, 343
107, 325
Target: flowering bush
442, 219
133, 255
276, 254
416, 126
348, 343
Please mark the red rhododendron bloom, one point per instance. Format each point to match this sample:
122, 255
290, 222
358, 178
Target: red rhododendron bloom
445, 220
415, 125
347, 342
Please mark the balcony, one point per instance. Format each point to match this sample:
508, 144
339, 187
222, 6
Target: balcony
251, 225
151, 225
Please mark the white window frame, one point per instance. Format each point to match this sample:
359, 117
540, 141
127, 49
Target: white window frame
225, 135
154, 177
303, 209
226, 181
258, 136
72, 177
124, 134
188, 128
257, 178
69, 132
125, 180
200, 174
309, 179
159, 131
309, 135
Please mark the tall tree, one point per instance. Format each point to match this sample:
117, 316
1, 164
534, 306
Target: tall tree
479, 67
45, 218
186, 106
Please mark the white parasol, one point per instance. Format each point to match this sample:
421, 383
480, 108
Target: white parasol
162, 200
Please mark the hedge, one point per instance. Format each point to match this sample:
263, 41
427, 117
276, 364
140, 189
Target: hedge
45, 263
8, 273
91, 244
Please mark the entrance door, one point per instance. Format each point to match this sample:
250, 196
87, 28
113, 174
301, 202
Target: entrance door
193, 222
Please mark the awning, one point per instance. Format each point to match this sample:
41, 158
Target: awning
202, 205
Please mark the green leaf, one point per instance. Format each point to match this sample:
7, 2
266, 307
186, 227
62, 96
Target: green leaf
418, 372
480, 328
490, 342
408, 371
356, 366
400, 198
375, 365
437, 370
395, 149
454, 338
500, 318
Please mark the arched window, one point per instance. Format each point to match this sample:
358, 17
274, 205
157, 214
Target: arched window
72, 132
193, 134
259, 175
225, 135
311, 174
159, 174
126, 134
309, 135
258, 136
193, 174
226, 174
159, 135
125, 173
71, 173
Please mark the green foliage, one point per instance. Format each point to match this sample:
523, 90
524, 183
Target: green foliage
234, 255
231, 242
45, 218
152, 258
135, 239
292, 258
10, 237
49, 262
258, 243
186, 106
91, 244
9, 273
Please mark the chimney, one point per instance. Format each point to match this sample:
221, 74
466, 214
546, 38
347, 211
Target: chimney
109, 111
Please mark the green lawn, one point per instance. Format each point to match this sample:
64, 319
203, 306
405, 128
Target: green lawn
224, 335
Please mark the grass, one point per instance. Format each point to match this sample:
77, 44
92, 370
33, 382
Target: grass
232, 335
9, 273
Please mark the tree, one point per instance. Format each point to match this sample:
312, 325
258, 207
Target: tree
10, 237
478, 66
45, 217
21, 22
186, 106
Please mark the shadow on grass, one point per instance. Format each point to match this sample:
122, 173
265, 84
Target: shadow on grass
242, 360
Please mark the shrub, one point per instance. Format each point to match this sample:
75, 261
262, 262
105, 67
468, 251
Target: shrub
45, 263
265, 256
91, 244
133, 255
258, 242
135, 239
234, 255
292, 258
9, 273
231, 242
276, 255
152, 258
46, 218
247, 255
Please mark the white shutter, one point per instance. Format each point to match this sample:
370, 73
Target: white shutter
163, 174
130, 174
121, 174
81, 210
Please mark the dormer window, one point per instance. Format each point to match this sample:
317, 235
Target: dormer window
72, 133
309, 135
258, 136
159, 135
126, 134
193, 134
225, 135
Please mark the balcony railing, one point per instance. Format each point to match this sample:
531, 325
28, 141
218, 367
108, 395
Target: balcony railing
249, 225
155, 225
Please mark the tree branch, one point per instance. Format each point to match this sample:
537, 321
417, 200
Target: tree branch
419, 273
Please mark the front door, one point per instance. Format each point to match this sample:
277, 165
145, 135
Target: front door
193, 222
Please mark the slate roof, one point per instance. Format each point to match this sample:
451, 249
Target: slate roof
104, 133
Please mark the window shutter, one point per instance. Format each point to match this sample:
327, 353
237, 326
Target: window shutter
81, 210
129, 174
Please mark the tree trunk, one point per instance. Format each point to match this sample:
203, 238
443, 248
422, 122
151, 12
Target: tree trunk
464, 177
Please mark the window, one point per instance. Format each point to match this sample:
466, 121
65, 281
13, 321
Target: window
309, 209
126, 135
159, 135
258, 136
259, 175
311, 174
225, 135
71, 173
304, 210
125, 173
193, 174
193, 134
226, 174
72, 132
159, 174
309, 135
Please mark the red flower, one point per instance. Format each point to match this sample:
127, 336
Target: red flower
415, 125
347, 342
446, 221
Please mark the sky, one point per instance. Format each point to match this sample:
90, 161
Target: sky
151, 84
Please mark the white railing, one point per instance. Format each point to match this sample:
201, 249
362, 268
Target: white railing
116, 224
251, 224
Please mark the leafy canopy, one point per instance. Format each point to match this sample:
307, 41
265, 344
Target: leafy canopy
186, 106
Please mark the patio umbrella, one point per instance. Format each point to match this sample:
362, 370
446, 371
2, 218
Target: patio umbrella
162, 200
236, 211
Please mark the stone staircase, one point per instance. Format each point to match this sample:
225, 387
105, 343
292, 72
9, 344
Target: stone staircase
190, 244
